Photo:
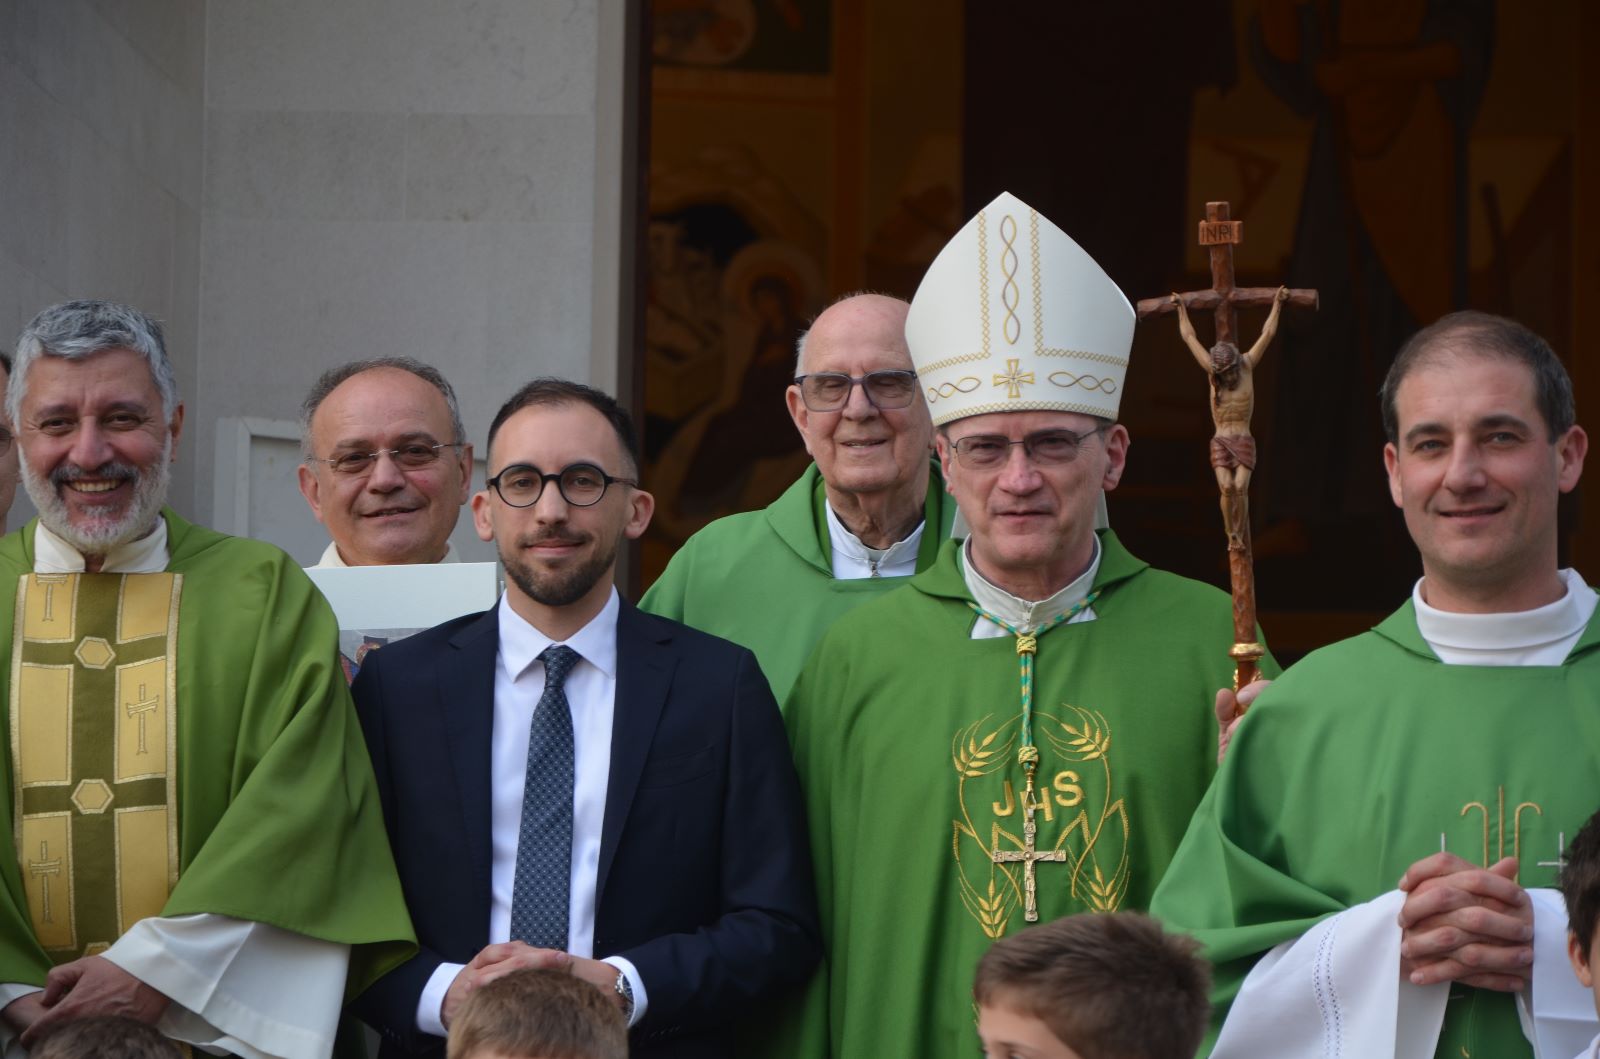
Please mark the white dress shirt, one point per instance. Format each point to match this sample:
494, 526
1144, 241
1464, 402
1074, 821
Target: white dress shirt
1024, 615
591, 690
237, 986
332, 558
853, 560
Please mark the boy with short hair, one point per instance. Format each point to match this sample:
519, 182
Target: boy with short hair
538, 1014
105, 1037
1093, 986
1580, 888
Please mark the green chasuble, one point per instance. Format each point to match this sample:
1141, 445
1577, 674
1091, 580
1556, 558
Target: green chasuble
276, 813
905, 733
1363, 759
764, 579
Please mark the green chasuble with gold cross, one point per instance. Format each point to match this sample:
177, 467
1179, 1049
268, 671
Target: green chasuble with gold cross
183, 742
906, 732
1361, 760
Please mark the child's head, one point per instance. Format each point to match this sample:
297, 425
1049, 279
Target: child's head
1093, 986
105, 1037
1580, 887
539, 1015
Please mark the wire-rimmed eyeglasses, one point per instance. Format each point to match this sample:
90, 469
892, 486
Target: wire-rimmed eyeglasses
581, 484
412, 456
829, 391
1047, 448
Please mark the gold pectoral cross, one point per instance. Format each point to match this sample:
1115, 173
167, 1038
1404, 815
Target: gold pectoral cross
1028, 855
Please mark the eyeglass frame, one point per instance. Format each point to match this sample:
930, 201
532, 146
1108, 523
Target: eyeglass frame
861, 381
1027, 442
544, 479
393, 454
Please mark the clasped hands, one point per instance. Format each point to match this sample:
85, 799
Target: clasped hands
500, 959
1463, 923
80, 989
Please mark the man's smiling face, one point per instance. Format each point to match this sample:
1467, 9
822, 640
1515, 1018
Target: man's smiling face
1478, 476
96, 447
387, 514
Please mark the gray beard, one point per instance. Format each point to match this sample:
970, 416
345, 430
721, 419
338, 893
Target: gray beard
149, 493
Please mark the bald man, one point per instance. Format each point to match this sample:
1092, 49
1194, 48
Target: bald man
868, 513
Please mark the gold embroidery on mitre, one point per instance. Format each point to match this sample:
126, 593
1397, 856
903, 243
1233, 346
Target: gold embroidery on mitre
96, 818
1077, 814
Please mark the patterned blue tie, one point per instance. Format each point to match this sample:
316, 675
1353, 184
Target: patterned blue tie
544, 841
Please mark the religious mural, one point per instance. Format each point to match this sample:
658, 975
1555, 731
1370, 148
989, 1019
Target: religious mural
1400, 158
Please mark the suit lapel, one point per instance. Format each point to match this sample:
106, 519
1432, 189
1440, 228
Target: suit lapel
645, 662
465, 695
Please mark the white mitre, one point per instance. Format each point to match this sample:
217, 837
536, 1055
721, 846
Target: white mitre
1013, 316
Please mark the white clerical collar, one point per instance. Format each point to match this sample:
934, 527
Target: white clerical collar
1542, 636
853, 559
1023, 614
147, 555
332, 558
596, 643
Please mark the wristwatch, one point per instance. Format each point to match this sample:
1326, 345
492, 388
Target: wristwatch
625, 991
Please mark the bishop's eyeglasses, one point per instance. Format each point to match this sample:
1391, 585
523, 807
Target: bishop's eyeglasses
412, 456
580, 484
829, 391
1047, 448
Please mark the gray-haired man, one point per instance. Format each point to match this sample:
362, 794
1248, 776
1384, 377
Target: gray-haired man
387, 464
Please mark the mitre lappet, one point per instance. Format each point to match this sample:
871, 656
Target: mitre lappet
1013, 316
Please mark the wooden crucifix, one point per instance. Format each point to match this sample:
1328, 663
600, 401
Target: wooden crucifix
1233, 452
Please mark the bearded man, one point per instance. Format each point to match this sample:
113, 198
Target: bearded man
566, 777
180, 735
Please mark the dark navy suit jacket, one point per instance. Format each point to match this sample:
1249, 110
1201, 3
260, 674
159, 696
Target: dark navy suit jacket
705, 873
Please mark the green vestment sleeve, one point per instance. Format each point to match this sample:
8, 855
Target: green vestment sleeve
764, 579
905, 733
278, 818
1364, 758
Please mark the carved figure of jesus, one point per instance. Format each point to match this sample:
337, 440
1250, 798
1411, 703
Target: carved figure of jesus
1233, 399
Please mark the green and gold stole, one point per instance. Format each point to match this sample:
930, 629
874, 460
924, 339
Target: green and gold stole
93, 745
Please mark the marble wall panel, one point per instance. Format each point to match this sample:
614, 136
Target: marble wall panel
147, 122
284, 300
470, 56
120, 232
170, 33
538, 286
35, 155
305, 165
500, 167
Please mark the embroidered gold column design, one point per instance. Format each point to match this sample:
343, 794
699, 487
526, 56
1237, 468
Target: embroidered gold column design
93, 735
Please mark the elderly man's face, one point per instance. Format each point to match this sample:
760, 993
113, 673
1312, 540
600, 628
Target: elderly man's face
387, 514
1477, 475
861, 448
8, 459
1032, 522
96, 447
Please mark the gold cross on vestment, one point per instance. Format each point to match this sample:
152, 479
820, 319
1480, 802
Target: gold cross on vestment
42, 869
139, 709
1028, 855
1013, 378
50, 581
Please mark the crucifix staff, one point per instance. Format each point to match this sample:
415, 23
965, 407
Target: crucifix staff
1232, 401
